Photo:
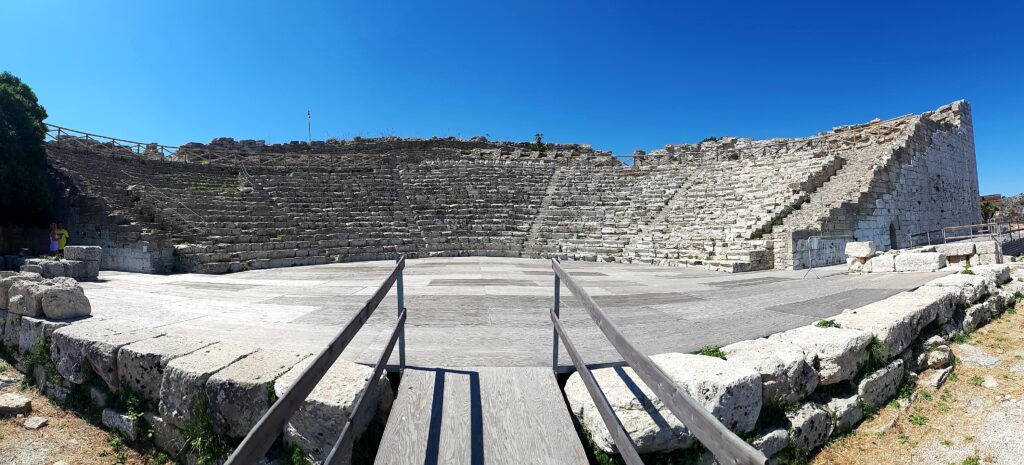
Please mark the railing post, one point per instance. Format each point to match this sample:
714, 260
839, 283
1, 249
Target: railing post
401, 307
555, 308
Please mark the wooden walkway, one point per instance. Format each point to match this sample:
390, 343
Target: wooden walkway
477, 416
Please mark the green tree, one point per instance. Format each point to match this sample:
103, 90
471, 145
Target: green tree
988, 211
26, 190
538, 142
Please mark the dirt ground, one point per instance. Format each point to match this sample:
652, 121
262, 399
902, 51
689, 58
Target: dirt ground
976, 418
66, 437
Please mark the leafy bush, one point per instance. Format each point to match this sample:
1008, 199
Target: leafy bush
828, 324
26, 189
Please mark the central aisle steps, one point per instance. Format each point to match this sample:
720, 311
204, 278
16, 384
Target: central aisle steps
477, 416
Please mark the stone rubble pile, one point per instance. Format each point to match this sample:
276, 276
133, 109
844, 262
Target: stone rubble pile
798, 388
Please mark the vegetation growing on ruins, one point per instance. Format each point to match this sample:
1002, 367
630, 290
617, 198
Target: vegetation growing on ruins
828, 324
200, 437
25, 186
712, 351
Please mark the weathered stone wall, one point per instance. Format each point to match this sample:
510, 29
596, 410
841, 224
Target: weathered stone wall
731, 205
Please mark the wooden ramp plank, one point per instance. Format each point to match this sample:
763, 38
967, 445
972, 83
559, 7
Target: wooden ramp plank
478, 416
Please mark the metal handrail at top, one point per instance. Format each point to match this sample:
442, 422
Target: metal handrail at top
266, 431
727, 447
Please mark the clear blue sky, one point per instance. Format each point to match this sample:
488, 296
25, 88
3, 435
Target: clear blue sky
617, 75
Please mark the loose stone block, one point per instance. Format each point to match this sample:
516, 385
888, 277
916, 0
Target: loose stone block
121, 423
7, 282
53, 269
83, 253
238, 394
881, 264
732, 393
785, 373
860, 249
921, 261
32, 269
877, 388
64, 299
979, 314
810, 427
895, 321
140, 365
315, 426
185, 378
836, 353
14, 404
34, 423
25, 298
956, 249
988, 253
165, 436
934, 379
846, 413
771, 442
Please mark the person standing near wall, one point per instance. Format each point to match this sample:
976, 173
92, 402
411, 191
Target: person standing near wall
54, 240
62, 239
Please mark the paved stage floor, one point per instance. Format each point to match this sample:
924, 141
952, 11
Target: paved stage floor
481, 311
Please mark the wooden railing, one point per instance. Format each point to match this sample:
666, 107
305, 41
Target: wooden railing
266, 431
727, 447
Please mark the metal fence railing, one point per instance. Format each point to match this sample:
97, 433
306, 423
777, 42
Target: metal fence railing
723, 443
266, 431
1001, 232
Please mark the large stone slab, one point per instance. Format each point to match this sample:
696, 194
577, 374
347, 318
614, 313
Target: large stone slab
185, 378
895, 321
956, 249
315, 426
988, 253
785, 374
34, 331
67, 347
239, 394
835, 353
732, 393
945, 299
971, 287
141, 365
920, 261
881, 264
7, 282
166, 436
860, 249
877, 388
83, 253
64, 299
102, 353
998, 273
